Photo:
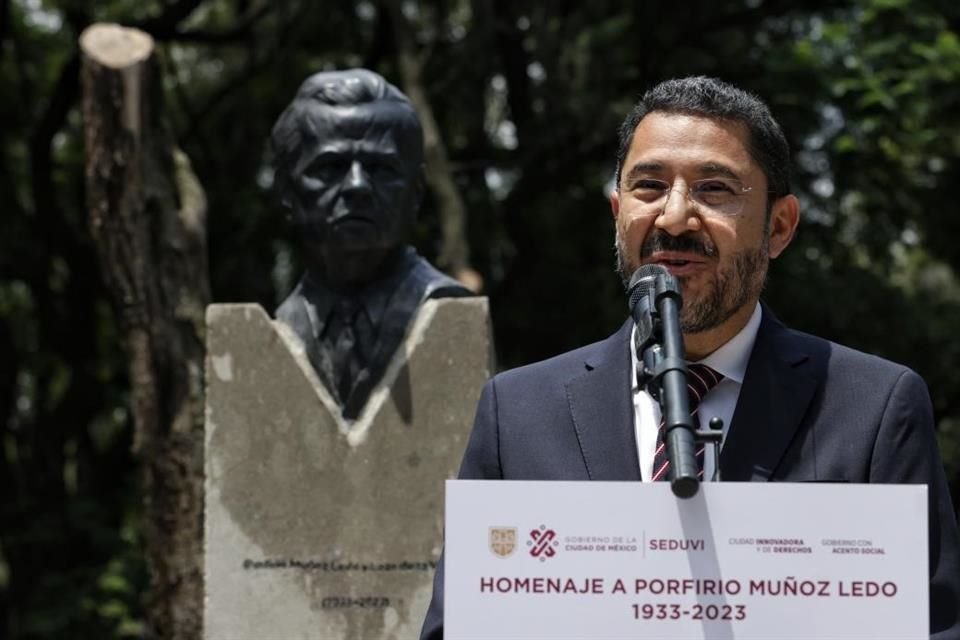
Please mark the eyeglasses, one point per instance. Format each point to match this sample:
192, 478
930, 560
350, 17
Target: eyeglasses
718, 196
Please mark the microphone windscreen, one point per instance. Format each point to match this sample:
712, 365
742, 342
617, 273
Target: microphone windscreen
643, 281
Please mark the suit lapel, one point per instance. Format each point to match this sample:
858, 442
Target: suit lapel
602, 410
777, 388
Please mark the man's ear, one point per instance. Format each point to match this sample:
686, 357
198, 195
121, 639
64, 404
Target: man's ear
281, 191
784, 218
615, 203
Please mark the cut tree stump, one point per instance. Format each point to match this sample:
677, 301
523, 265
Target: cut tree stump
147, 216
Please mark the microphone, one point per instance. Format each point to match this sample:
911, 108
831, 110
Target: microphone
655, 303
643, 283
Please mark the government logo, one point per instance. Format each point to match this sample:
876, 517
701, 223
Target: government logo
543, 543
502, 541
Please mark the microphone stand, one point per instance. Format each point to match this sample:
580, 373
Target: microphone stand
662, 368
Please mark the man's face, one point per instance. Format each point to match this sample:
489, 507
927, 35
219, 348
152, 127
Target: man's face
356, 184
720, 260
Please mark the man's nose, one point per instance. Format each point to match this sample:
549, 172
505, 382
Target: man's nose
679, 213
356, 181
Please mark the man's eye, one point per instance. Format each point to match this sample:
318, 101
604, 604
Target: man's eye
648, 190
380, 168
650, 185
325, 168
714, 186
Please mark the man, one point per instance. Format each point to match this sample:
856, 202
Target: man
349, 169
703, 190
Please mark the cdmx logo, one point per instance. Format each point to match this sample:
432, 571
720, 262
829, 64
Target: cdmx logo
543, 543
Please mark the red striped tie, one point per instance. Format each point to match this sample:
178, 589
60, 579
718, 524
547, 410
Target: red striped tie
700, 379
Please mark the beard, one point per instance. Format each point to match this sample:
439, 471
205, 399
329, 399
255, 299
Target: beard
738, 283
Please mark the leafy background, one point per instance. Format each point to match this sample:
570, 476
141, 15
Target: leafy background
527, 96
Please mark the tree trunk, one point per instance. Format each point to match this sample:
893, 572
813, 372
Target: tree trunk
454, 250
147, 217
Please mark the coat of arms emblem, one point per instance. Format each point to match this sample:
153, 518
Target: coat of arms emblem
503, 541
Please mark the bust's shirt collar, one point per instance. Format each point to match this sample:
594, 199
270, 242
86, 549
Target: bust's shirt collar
374, 299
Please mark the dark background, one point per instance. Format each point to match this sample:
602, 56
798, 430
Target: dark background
527, 96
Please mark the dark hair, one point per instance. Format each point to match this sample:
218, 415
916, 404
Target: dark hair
713, 98
333, 88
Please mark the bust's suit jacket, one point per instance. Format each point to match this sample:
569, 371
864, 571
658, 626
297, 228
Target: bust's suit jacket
809, 410
397, 297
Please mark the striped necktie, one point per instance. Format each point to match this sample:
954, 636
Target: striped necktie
700, 379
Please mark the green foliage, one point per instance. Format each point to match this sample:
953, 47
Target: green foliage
890, 72
528, 96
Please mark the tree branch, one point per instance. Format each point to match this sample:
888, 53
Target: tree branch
455, 251
237, 83
240, 33
513, 63
4, 23
63, 98
42, 189
380, 44
166, 23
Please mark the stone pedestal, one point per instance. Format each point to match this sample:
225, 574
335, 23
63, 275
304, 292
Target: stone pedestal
317, 528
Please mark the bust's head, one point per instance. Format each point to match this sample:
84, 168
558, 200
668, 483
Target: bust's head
348, 160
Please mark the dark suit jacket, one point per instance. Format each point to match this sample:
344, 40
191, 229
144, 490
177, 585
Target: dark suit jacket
809, 410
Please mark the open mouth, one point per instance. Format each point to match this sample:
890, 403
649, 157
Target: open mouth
681, 265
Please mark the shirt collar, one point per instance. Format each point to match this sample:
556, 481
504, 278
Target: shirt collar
732, 357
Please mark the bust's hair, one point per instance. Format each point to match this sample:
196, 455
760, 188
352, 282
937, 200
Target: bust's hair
351, 86
335, 89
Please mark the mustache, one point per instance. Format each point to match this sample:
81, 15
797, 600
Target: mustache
686, 243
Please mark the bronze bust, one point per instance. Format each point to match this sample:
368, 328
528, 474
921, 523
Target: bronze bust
348, 161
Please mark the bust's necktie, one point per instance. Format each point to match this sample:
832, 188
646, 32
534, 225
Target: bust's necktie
700, 379
349, 353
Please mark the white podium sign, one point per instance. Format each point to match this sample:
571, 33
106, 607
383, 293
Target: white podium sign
627, 560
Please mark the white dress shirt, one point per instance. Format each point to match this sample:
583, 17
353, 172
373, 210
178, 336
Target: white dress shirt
730, 360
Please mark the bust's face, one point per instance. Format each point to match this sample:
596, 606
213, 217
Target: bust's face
357, 182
